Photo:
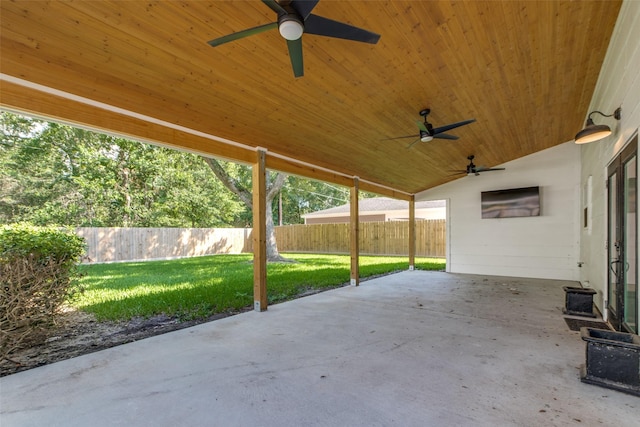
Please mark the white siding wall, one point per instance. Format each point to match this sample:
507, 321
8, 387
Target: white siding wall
542, 247
618, 86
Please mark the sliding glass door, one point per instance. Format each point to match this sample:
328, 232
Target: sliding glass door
623, 299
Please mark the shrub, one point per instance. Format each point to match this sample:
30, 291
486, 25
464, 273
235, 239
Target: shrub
38, 272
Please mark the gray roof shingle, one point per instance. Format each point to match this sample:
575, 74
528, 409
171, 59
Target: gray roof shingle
377, 204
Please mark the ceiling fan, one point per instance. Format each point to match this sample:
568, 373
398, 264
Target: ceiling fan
294, 18
472, 169
428, 132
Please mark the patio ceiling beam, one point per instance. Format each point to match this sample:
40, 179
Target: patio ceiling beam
35, 100
80, 112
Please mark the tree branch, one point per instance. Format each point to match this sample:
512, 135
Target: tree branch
275, 187
228, 182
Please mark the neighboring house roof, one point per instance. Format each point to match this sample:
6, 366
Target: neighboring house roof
376, 205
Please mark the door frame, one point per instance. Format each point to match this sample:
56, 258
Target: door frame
616, 166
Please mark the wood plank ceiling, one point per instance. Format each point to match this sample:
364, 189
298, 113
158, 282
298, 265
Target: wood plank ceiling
525, 70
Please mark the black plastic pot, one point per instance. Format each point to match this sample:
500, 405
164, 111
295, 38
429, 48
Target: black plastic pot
612, 360
579, 301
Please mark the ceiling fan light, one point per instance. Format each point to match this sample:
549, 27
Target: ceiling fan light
592, 133
291, 29
424, 136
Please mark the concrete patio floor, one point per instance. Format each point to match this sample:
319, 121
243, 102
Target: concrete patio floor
410, 349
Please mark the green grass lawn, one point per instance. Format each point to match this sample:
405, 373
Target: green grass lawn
192, 288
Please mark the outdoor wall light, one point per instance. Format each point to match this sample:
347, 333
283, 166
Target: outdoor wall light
593, 132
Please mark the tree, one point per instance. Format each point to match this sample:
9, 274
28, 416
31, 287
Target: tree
57, 174
237, 184
37, 169
301, 196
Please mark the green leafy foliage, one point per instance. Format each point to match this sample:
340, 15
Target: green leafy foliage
56, 174
302, 196
43, 243
38, 269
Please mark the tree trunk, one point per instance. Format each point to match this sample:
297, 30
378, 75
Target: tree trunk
273, 188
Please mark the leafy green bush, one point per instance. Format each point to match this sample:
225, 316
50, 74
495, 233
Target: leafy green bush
38, 270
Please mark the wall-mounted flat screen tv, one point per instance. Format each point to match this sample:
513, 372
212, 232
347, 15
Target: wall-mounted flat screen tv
514, 202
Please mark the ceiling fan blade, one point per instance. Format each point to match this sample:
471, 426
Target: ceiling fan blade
445, 136
452, 126
399, 137
303, 7
273, 5
295, 53
241, 34
483, 169
421, 126
411, 145
321, 26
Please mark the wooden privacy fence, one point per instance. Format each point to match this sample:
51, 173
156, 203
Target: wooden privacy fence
376, 238
132, 244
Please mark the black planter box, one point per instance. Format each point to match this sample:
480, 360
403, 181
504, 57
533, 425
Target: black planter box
612, 360
579, 301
